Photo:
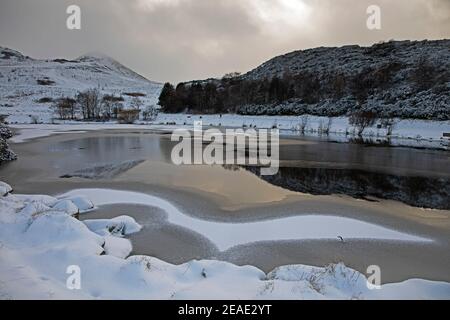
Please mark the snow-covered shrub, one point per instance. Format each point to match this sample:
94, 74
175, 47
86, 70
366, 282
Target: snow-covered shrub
5, 132
6, 154
150, 113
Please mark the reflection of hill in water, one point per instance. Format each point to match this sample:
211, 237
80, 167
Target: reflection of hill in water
416, 191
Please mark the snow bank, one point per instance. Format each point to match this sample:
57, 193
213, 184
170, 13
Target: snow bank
82, 203
117, 247
413, 133
38, 247
66, 206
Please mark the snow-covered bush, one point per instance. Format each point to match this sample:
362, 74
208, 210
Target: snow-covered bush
6, 154
150, 113
5, 132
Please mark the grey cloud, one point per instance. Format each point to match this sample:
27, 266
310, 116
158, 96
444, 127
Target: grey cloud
193, 39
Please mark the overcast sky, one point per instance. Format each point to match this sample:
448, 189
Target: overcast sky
176, 40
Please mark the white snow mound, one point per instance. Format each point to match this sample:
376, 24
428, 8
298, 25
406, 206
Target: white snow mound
4, 188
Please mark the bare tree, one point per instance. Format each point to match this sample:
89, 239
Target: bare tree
328, 126
107, 109
89, 102
110, 106
362, 120
136, 103
65, 108
116, 109
303, 123
320, 127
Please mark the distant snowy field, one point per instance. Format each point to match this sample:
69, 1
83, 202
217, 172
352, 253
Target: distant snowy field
40, 239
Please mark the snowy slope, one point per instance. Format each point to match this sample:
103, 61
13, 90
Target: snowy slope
393, 63
352, 59
20, 91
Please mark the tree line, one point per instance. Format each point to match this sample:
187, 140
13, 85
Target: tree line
91, 105
232, 92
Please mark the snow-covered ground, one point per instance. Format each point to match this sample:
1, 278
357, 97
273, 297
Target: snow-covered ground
424, 133
41, 242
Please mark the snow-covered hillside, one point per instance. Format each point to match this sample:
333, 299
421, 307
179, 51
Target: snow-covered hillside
353, 58
400, 79
27, 85
405, 79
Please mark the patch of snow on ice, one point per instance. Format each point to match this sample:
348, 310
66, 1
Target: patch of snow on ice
228, 235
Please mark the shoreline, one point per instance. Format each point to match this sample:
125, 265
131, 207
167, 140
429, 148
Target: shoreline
425, 134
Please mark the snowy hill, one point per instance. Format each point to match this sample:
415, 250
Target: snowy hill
352, 59
28, 86
403, 79
407, 79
